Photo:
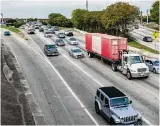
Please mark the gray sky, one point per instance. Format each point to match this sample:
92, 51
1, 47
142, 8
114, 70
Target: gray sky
42, 8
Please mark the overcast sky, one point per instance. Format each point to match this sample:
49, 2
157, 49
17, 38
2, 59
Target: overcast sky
42, 8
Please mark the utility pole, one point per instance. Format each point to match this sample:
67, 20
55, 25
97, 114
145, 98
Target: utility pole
141, 17
86, 4
147, 16
1, 18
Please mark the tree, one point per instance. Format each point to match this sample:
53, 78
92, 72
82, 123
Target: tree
154, 12
11, 21
77, 18
117, 17
31, 19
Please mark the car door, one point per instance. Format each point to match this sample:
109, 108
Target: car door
150, 65
105, 107
124, 71
45, 48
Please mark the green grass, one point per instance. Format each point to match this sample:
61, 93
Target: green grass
142, 47
13, 29
64, 28
152, 25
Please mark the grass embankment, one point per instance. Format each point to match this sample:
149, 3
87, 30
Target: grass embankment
64, 28
142, 47
13, 29
152, 25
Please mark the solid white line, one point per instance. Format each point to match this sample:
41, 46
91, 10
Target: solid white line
65, 83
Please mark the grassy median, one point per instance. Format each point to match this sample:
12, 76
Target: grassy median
13, 29
142, 47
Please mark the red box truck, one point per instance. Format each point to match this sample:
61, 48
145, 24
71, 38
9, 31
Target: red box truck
114, 49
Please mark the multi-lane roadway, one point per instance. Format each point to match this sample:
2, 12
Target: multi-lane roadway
140, 33
64, 87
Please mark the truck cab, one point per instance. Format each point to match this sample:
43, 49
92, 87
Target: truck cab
133, 65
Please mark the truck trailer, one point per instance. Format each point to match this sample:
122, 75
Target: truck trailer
114, 50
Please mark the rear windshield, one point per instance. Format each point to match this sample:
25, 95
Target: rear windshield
72, 39
51, 46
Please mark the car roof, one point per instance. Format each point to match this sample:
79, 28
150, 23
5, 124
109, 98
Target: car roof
75, 48
112, 92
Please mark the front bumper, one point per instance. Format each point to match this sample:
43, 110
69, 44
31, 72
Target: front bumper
139, 74
52, 54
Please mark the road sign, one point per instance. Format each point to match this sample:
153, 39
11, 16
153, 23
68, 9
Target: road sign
155, 35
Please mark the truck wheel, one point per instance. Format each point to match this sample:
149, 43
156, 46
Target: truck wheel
114, 67
97, 109
139, 123
129, 76
90, 55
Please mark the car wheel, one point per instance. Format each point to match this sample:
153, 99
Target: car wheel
129, 76
139, 123
154, 70
97, 109
112, 122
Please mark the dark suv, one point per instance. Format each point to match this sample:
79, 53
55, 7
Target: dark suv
147, 39
51, 50
116, 107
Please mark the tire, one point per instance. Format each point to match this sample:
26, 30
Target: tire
114, 67
90, 55
139, 123
129, 76
112, 122
154, 70
97, 108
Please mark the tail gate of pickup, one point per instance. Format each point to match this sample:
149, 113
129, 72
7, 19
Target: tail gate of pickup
114, 50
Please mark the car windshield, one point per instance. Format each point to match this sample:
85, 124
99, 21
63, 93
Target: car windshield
60, 40
119, 101
61, 33
47, 32
76, 50
135, 59
51, 46
156, 63
72, 39
149, 38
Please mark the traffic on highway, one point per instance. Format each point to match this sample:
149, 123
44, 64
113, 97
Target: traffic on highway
91, 86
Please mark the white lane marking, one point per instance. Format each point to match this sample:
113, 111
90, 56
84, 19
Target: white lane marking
148, 122
65, 83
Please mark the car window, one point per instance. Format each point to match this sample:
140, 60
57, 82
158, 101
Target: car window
51, 46
102, 97
76, 50
72, 39
98, 93
106, 101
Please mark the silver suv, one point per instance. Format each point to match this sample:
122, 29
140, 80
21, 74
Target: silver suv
116, 107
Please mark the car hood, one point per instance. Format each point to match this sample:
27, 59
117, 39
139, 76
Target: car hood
124, 111
138, 65
52, 50
73, 41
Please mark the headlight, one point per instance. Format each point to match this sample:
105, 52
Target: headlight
132, 70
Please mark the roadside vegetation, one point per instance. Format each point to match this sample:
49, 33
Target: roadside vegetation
142, 47
13, 29
152, 25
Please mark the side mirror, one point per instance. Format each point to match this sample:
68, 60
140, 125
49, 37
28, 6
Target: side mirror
130, 101
106, 105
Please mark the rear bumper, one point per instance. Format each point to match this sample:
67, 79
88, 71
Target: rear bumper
134, 75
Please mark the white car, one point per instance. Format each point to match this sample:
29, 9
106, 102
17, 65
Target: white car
76, 53
47, 34
72, 41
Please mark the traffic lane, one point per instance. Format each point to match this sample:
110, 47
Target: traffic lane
57, 97
153, 80
83, 86
149, 85
144, 104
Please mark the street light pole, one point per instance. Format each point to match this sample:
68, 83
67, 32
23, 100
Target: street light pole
1, 18
86, 4
147, 16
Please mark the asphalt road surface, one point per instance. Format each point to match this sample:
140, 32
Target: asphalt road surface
140, 33
65, 87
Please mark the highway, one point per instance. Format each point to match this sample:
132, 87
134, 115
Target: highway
65, 87
138, 34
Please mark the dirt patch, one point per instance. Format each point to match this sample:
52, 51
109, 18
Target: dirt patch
14, 106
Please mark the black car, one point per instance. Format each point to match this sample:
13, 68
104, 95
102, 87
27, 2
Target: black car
51, 50
60, 42
7, 33
147, 39
68, 33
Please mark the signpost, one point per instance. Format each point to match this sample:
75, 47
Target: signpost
155, 37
